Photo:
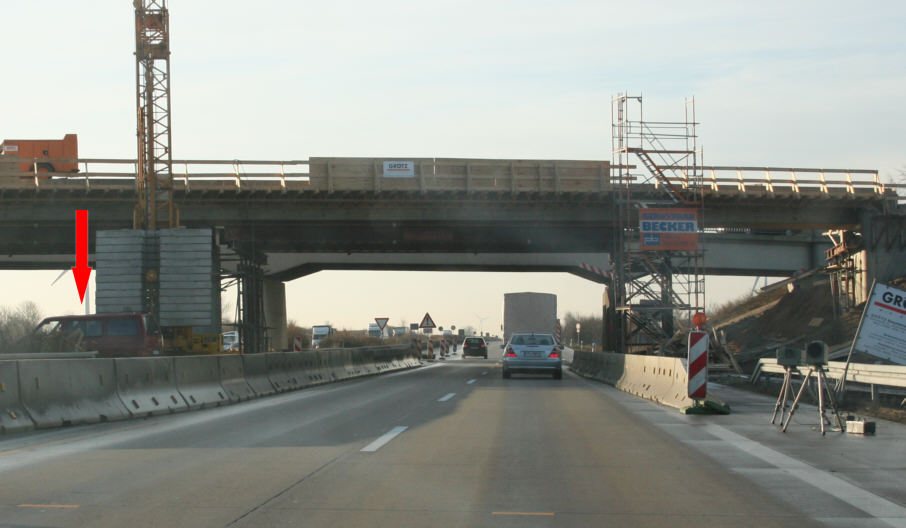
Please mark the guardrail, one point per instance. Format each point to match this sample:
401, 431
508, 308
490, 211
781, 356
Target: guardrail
866, 374
38, 393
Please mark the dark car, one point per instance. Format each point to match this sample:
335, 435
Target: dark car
475, 346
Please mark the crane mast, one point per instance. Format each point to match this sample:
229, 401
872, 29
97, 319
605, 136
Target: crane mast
155, 208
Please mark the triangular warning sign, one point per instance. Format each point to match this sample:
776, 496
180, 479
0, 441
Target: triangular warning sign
427, 322
381, 322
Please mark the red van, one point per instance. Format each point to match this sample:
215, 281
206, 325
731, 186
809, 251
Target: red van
111, 335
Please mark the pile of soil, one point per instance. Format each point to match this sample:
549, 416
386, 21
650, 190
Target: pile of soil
754, 328
784, 317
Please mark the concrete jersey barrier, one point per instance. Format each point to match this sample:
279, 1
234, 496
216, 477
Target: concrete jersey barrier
660, 379
13, 416
58, 392
232, 378
147, 386
198, 380
281, 372
54, 392
254, 367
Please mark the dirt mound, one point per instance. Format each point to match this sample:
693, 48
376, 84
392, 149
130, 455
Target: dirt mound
782, 316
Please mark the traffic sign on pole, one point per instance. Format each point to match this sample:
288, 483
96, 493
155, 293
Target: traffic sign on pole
381, 322
427, 322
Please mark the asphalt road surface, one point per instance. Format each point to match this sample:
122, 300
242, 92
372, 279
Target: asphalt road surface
451, 444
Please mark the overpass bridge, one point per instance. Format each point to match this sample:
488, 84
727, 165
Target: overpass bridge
293, 218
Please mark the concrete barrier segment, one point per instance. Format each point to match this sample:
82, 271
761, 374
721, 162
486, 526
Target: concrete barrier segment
58, 392
660, 379
336, 360
147, 386
300, 367
198, 380
313, 369
232, 378
279, 372
254, 368
13, 416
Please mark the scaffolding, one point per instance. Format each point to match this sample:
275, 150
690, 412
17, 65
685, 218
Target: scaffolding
655, 281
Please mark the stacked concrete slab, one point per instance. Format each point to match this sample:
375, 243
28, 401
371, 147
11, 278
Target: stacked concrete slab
183, 264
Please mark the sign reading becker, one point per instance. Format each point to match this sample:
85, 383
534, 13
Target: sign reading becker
883, 329
668, 229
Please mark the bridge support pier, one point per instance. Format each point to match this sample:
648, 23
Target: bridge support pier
275, 313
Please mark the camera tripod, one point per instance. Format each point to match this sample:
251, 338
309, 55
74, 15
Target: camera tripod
786, 391
822, 389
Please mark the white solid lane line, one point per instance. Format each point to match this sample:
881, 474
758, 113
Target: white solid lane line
471, 381
447, 397
384, 438
882, 509
484, 373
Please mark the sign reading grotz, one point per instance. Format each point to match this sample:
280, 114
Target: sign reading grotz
882, 332
668, 229
399, 169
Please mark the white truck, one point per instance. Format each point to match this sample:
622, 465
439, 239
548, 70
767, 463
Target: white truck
318, 333
528, 312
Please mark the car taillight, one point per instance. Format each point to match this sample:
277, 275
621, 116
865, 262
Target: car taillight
484, 345
555, 353
510, 352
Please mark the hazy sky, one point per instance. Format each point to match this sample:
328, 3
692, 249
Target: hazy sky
808, 84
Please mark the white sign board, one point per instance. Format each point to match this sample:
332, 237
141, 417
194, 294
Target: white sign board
399, 169
883, 329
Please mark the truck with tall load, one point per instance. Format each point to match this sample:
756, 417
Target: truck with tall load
528, 312
32, 151
319, 333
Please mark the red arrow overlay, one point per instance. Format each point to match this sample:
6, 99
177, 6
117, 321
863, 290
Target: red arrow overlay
81, 271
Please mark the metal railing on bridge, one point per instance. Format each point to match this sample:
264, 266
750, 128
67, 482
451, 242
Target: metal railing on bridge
786, 180
329, 175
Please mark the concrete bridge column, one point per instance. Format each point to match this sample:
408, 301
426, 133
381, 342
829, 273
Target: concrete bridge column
275, 313
884, 256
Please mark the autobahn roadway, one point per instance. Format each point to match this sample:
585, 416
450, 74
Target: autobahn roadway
449, 444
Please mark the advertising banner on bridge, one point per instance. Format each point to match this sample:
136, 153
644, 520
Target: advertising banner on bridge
668, 229
882, 332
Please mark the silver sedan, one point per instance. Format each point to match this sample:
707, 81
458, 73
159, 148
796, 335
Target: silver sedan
533, 353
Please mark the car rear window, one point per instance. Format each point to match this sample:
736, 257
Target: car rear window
533, 340
122, 327
473, 341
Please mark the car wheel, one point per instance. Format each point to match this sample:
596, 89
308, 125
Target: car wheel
485, 356
506, 373
558, 374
